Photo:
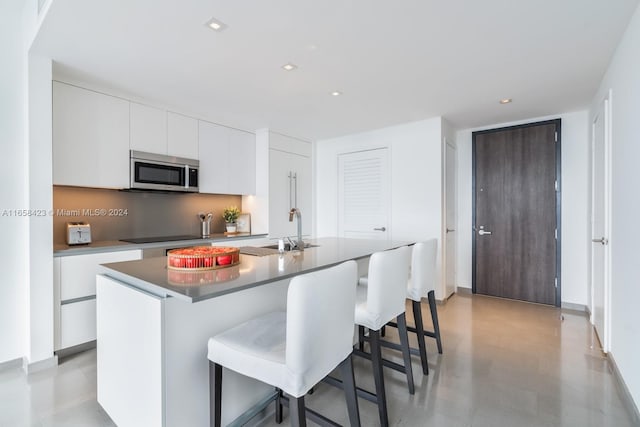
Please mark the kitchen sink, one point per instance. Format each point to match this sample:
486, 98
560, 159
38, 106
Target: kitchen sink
287, 246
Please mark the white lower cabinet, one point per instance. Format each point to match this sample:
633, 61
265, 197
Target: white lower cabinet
74, 295
77, 323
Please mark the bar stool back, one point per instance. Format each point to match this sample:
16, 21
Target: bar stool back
293, 351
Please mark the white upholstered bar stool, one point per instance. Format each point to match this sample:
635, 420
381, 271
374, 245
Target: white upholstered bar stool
381, 301
293, 351
422, 284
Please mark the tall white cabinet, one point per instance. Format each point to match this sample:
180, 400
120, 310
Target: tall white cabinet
290, 185
90, 137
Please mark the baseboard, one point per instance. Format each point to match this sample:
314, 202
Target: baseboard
11, 364
575, 308
75, 349
463, 291
627, 399
40, 365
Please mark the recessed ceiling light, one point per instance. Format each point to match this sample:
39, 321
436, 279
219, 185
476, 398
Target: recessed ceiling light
506, 101
216, 25
289, 66
336, 93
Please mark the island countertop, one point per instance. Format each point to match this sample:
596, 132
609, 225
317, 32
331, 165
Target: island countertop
153, 276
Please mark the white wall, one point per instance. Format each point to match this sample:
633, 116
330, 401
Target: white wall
623, 79
40, 188
13, 251
416, 180
575, 205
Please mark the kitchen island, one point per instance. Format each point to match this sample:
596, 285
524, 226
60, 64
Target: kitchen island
153, 324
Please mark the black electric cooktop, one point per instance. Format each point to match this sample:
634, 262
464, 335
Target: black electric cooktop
160, 239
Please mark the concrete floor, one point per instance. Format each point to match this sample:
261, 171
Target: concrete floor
505, 363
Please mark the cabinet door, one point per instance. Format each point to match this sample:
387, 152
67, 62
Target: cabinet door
77, 323
289, 186
90, 138
182, 132
227, 160
214, 168
148, 129
302, 191
78, 272
280, 194
242, 162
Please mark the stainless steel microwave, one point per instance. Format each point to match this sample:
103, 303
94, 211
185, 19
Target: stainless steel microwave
150, 171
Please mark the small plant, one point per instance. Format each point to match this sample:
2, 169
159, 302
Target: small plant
231, 214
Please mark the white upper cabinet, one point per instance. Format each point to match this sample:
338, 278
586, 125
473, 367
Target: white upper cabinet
182, 132
90, 138
148, 129
242, 158
227, 160
289, 185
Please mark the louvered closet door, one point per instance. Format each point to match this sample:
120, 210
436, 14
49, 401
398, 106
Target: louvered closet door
364, 194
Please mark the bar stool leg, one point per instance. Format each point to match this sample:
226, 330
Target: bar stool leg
215, 394
361, 338
417, 317
349, 382
376, 360
434, 318
406, 352
297, 412
279, 407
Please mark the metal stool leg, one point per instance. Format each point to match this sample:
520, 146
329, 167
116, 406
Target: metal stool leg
361, 338
378, 376
434, 318
297, 411
406, 351
215, 394
417, 317
279, 407
349, 382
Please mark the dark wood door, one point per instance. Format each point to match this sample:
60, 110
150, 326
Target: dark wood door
516, 211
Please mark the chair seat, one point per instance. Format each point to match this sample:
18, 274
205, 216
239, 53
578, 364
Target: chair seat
257, 349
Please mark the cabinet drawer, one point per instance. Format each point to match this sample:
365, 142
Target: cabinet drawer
77, 323
78, 273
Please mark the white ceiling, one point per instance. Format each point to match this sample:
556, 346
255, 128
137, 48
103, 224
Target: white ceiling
394, 61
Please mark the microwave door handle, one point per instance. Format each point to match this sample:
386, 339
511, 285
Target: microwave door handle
186, 177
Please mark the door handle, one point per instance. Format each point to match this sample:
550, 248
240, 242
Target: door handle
483, 232
449, 230
602, 241
380, 229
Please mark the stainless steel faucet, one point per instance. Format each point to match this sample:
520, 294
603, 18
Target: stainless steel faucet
299, 244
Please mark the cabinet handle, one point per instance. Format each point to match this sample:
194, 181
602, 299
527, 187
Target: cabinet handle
295, 189
290, 195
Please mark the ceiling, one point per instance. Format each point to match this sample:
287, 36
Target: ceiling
394, 62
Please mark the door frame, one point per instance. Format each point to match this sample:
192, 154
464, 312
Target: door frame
445, 232
558, 126
605, 340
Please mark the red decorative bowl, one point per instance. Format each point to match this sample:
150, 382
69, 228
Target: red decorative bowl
202, 258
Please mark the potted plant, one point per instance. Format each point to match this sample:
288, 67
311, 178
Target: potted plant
230, 216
